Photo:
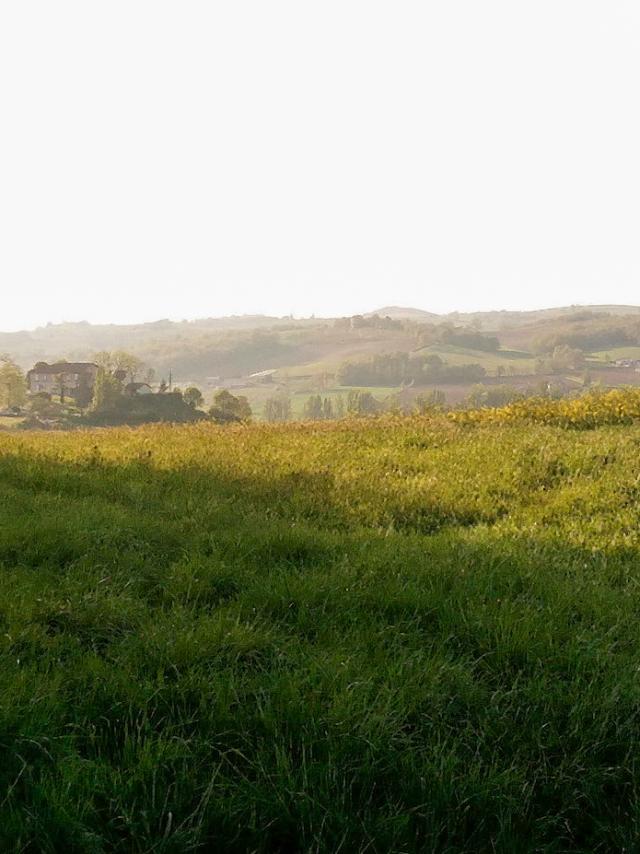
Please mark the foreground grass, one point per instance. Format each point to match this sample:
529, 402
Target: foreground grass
390, 636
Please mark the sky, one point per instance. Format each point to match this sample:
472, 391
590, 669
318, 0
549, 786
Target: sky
194, 159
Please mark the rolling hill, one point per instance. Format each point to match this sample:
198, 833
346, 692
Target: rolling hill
306, 354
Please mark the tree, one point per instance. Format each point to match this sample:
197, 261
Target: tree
362, 403
193, 397
563, 358
277, 409
124, 361
567, 358
13, 390
228, 408
83, 394
317, 408
313, 410
119, 360
104, 359
107, 392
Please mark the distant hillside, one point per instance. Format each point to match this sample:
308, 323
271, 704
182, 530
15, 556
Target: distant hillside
200, 350
396, 312
494, 319
81, 340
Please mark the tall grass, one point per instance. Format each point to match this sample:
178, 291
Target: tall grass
397, 635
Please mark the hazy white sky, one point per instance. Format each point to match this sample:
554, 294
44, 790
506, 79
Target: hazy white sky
183, 159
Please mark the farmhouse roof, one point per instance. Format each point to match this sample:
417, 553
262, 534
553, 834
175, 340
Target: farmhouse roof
64, 368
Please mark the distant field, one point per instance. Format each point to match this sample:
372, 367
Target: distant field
387, 635
521, 362
617, 353
511, 360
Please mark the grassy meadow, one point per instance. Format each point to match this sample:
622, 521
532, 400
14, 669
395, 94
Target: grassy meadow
389, 635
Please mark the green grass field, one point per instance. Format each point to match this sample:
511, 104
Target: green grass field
396, 635
515, 361
512, 361
617, 353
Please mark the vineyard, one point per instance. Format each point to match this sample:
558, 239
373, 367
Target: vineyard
396, 634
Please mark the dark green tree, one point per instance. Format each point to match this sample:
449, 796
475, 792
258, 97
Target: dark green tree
193, 397
228, 408
107, 392
313, 410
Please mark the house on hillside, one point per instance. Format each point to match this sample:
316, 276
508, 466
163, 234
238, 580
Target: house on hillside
66, 379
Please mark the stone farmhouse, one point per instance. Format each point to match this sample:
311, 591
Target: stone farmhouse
66, 379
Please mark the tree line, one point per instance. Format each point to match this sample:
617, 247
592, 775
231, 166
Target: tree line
394, 369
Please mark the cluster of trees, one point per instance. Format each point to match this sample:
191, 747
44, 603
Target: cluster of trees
317, 408
466, 337
277, 409
111, 405
563, 358
393, 369
482, 396
177, 405
229, 408
470, 339
123, 363
372, 321
362, 403
588, 331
